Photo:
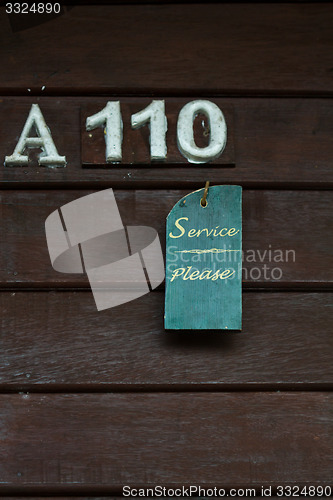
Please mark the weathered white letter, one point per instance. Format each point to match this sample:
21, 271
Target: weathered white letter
110, 119
154, 114
49, 155
185, 136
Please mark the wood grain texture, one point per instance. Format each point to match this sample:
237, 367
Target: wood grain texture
175, 439
271, 48
277, 143
286, 230
55, 341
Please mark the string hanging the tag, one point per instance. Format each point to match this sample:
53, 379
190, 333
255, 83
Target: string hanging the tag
203, 201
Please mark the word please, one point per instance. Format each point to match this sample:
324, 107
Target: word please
207, 232
208, 274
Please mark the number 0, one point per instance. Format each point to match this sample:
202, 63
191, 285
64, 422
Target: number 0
185, 135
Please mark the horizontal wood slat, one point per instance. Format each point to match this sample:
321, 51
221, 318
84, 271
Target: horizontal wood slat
272, 142
54, 341
289, 232
224, 48
82, 441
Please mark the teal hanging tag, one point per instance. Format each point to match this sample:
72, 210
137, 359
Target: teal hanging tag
204, 261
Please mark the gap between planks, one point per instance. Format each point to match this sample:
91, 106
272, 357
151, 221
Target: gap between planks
53, 389
156, 185
165, 93
303, 287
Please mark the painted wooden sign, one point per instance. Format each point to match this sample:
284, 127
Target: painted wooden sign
204, 261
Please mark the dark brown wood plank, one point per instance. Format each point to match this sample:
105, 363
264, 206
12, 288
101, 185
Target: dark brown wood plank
277, 143
55, 341
287, 235
226, 48
106, 441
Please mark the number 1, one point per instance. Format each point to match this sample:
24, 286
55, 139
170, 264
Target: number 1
155, 115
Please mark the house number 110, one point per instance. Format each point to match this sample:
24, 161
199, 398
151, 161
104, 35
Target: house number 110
110, 120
